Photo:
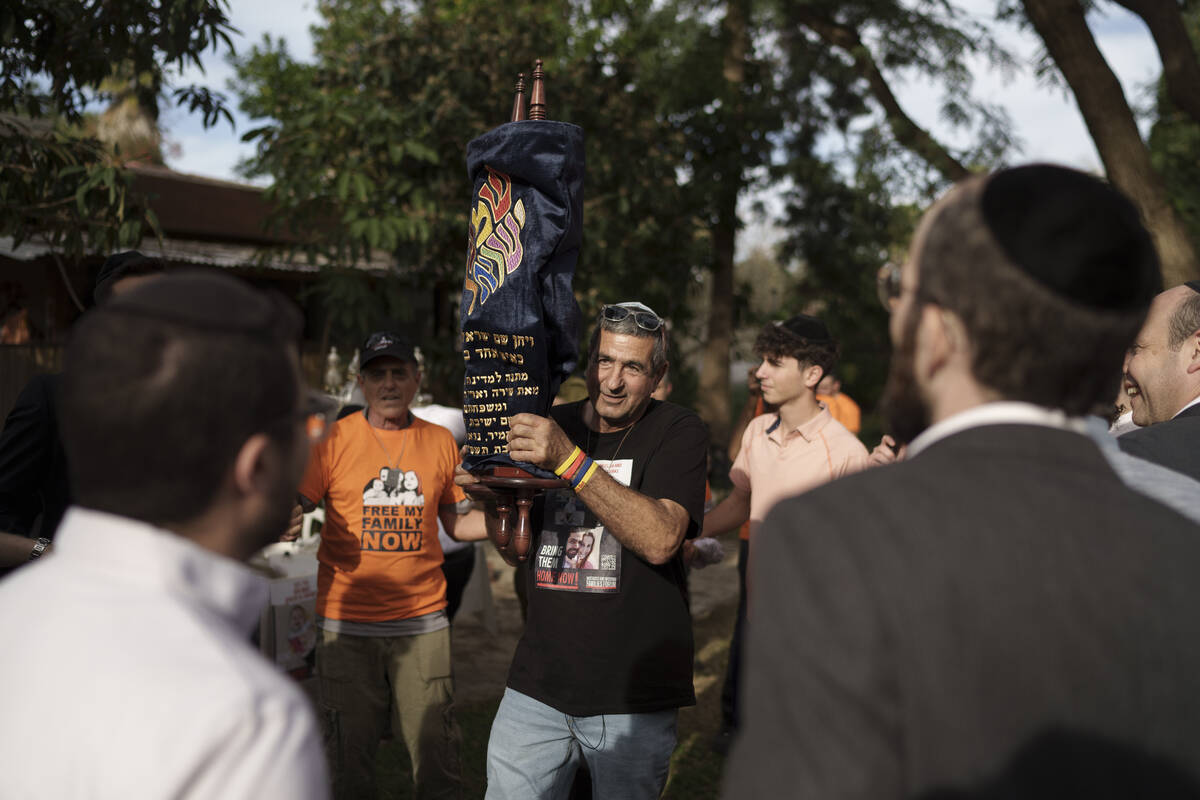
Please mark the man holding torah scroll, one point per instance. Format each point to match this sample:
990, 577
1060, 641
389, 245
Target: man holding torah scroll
609, 692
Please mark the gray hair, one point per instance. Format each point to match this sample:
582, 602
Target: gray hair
1184, 321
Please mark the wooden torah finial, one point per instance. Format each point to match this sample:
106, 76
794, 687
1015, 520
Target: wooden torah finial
518, 112
537, 97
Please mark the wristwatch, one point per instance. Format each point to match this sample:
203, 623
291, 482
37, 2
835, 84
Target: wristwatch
39, 547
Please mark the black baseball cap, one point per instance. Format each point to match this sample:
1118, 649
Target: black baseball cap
385, 343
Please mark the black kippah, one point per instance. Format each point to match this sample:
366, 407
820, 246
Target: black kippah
211, 301
117, 266
805, 327
1074, 234
1193, 285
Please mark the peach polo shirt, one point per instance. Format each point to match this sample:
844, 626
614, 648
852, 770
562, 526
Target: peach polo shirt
774, 464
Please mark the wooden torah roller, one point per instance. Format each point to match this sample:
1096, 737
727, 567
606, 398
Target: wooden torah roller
510, 487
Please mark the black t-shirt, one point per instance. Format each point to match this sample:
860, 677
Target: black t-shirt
608, 632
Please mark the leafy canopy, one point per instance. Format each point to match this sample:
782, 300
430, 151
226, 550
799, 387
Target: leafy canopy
56, 56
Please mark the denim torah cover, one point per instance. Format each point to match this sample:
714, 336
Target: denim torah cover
520, 321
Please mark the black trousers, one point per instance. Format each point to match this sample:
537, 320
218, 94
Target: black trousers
730, 711
457, 569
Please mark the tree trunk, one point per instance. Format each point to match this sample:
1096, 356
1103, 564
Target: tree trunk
1181, 68
1062, 26
714, 401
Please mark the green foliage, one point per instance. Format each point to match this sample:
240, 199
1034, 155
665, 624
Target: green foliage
66, 190
845, 231
1175, 146
366, 145
848, 208
56, 57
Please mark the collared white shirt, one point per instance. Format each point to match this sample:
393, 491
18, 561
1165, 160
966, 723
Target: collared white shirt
1195, 401
1005, 412
128, 672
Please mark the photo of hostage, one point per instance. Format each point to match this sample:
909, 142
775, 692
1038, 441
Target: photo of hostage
301, 634
616, 708
579, 546
376, 494
408, 495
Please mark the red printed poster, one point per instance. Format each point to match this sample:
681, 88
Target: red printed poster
576, 553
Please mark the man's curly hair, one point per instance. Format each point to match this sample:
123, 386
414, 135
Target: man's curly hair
776, 340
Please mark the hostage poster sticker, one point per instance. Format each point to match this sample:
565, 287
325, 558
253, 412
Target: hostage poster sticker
393, 510
575, 553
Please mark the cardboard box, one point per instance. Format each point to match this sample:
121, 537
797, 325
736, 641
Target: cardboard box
287, 628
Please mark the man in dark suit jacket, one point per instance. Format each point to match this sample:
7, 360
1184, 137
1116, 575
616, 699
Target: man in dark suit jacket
914, 627
1162, 379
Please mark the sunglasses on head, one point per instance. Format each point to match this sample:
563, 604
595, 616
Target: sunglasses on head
645, 319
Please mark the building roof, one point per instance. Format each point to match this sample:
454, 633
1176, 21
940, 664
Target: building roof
209, 221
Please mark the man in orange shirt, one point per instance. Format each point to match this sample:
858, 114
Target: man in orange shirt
843, 409
386, 478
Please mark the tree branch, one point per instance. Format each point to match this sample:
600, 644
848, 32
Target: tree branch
1181, 67
1063, 28
906, 131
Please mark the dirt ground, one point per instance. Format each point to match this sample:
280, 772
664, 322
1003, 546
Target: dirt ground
482, 654
481, 660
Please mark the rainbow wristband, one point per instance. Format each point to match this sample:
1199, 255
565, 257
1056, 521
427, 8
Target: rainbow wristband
576, 466
576, 474
587, 475
562, 468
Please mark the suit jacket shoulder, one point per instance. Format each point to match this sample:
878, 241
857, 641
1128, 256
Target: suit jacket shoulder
916, 624
1175, 443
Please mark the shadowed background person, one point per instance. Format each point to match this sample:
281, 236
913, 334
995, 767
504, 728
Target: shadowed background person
34, 487
129, 671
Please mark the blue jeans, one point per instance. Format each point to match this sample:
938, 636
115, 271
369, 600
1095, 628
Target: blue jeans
534, 751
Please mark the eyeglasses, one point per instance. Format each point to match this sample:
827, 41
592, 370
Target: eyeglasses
887, 285
646, 319
318, 411
381, 374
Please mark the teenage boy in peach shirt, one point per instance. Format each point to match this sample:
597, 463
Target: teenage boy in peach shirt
783, 454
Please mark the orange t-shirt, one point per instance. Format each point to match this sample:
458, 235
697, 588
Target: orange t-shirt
844, 410
379, 557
